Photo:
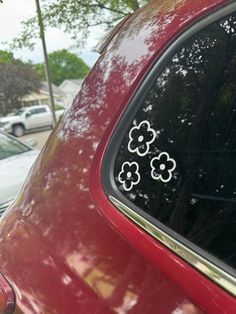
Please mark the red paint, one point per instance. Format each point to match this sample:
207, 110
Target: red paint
6, 297
63, 246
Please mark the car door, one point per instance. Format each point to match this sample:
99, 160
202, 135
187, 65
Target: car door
32, 119
39, 117
44, 116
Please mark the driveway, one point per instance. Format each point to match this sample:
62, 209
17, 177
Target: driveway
41, 137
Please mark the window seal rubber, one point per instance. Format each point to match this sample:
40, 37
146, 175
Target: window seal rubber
216, 270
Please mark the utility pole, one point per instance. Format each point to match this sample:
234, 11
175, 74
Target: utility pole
46, 65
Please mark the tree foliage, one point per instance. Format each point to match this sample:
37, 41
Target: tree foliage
16, 80
6, 56
63, 65
77, 17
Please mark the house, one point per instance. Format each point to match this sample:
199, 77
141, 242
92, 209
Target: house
41, 97
69, 88
63, 94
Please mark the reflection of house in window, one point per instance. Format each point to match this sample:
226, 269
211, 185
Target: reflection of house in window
62, 94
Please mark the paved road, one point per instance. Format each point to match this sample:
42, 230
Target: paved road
41, 137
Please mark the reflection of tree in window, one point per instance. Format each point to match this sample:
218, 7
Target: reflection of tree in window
192, 107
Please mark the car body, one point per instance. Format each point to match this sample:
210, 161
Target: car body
28, 119
82, 241
16, 159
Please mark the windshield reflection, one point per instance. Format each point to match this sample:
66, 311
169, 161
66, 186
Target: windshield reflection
10, 147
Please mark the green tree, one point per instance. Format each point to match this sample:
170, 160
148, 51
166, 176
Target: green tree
63, 65
77, 17
16, 80
6, 57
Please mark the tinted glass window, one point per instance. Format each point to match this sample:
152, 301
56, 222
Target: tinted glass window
177, 161
41, 110
38, 110
33, 111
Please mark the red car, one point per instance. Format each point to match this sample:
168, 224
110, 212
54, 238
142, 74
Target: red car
131, 205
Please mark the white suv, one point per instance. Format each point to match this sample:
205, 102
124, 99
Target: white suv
28, 118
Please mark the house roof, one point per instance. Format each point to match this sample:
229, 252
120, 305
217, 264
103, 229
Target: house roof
77, 82
44, 88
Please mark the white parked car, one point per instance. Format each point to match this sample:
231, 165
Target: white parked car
29, 118
16, 159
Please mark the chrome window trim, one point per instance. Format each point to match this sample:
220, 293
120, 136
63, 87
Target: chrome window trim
213, 272
4, 206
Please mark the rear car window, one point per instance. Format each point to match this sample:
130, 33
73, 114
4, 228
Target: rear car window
177, 161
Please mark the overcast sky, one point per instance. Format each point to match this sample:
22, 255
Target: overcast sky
12, 12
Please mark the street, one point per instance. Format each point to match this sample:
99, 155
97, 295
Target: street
40, 136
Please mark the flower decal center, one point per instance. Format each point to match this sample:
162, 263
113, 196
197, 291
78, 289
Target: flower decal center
140, 138
162, 167
129, 175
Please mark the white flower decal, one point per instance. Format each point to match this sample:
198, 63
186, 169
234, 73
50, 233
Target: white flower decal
140, 138
129, 175
162, 167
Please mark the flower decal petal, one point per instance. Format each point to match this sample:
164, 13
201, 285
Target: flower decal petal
162, 167
129, 175
140, 138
